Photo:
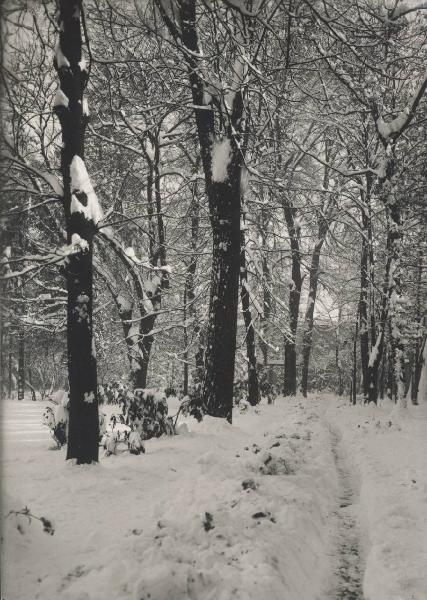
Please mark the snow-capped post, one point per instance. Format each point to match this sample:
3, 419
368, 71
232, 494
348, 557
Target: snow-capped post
222, 159
82, 213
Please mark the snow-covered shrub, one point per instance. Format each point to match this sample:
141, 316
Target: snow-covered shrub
146, 411
120, 438
170, 391
112, 393
192, 405
56, 418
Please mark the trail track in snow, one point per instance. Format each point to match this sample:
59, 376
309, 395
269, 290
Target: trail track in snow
348, 563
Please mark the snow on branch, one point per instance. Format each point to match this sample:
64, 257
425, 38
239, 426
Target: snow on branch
58, 256
83, 199
393, 129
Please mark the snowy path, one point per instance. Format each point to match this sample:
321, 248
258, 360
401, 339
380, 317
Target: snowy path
22, 423
303, 500
349, 571
220, 512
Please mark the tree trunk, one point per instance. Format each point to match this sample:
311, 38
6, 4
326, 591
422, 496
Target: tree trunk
338, 363
253, 385
144, 344
290, 378
223, 192
420, 341
267, 286
10, 373
221, 336
185, 340
363, 315
290, 366
82, 213
309, 315
21, 363
354, 375
190, 293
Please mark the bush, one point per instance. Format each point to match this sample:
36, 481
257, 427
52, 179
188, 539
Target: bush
146, 411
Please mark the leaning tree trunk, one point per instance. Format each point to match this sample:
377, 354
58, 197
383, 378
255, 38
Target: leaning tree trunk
82, 213
253, 384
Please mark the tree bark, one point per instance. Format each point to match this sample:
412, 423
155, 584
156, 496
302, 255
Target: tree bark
363, 315
354, 374
221, 336
309, 315
253, 385
290, 370
83, 432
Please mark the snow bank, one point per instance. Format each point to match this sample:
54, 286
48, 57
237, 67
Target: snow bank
223, 512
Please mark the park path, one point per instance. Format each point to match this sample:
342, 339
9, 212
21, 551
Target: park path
348, 564
21, 422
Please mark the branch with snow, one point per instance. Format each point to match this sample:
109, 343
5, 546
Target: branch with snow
391, 130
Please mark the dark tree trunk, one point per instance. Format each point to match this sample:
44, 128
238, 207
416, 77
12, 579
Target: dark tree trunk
10, 375
420, 342
267, 286
354, 374
21, 363
145, 343
190, 294
253, 385
83, 432
338, 363
309, 315
221, 336
363, 315
185, 336
224, 205
290, 377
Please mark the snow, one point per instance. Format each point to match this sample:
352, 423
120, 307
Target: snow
166, 269
80, 184
222, 511
54, 182
60, 99
61, 59
82, 64
387, 451
221, 156
76, 240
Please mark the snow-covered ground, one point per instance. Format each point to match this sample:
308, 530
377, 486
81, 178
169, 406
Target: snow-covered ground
302, 500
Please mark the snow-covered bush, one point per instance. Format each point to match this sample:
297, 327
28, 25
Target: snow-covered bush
56, 418
192, 405
146, 411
